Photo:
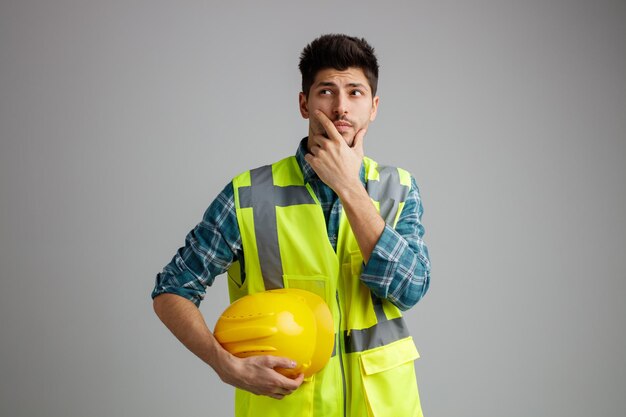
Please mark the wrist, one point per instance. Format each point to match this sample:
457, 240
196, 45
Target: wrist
217, 357
349, 189
223, 363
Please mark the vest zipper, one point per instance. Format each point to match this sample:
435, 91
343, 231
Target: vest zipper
340, 353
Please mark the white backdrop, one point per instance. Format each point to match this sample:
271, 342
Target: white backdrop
120, 121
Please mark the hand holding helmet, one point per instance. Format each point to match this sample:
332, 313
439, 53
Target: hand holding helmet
291, 323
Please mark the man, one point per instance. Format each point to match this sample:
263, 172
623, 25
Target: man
328, 220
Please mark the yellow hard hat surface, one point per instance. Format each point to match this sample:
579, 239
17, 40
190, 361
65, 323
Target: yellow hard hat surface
291, 323
325, 340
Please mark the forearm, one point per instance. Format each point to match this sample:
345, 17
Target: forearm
399, 266
185, 321
255, 374
366, 223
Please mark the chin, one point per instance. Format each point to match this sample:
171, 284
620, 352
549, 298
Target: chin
348, 137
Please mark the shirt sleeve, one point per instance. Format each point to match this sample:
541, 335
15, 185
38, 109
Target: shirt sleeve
210, 248
399, 267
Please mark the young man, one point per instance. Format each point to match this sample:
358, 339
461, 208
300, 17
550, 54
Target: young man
328, 220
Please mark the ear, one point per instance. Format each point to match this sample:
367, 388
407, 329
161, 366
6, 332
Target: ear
304, 108
374, 108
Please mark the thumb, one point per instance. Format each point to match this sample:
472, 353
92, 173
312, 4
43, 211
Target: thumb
357, 143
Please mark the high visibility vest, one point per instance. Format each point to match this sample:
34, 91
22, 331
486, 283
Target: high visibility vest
285, 244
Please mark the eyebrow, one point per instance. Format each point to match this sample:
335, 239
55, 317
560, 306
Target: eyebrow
332, 84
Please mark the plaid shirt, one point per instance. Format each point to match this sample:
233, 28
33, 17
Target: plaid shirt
398, 268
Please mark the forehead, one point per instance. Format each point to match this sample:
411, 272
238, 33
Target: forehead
350, 75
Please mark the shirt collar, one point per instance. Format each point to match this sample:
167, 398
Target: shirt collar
307, 171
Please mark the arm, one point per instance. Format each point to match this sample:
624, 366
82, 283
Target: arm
366, 223
210, 248
338, 165
397, 266
255, 374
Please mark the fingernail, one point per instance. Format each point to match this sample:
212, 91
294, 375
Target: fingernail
293, 364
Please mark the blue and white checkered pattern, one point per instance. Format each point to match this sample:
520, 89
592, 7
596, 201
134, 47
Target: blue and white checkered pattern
398, 268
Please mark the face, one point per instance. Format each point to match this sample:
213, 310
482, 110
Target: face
345, 97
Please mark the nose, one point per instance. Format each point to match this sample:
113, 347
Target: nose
340, 105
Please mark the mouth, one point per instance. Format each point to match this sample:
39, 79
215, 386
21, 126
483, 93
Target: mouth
342, 125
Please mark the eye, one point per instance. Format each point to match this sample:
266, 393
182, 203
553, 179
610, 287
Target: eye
325, 91
357, 93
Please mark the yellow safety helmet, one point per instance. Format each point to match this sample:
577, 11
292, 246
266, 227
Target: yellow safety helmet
291, 323
325, 340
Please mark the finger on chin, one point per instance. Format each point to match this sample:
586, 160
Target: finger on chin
358, 139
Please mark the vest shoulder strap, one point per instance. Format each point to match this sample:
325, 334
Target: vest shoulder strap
389, 186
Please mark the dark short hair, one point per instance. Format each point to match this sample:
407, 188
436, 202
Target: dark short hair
339, 52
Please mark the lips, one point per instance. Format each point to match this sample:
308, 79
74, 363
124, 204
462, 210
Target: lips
341, 123
342, 126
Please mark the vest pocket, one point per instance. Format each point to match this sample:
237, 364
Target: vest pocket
313, 283
388, 377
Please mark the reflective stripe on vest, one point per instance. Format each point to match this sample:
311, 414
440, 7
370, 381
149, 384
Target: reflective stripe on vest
388, 191
384, 332
263, 196
380, 334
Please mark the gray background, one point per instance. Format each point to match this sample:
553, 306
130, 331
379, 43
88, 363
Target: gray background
121, 120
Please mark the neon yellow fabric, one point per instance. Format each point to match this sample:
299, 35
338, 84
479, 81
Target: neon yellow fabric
375, 382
